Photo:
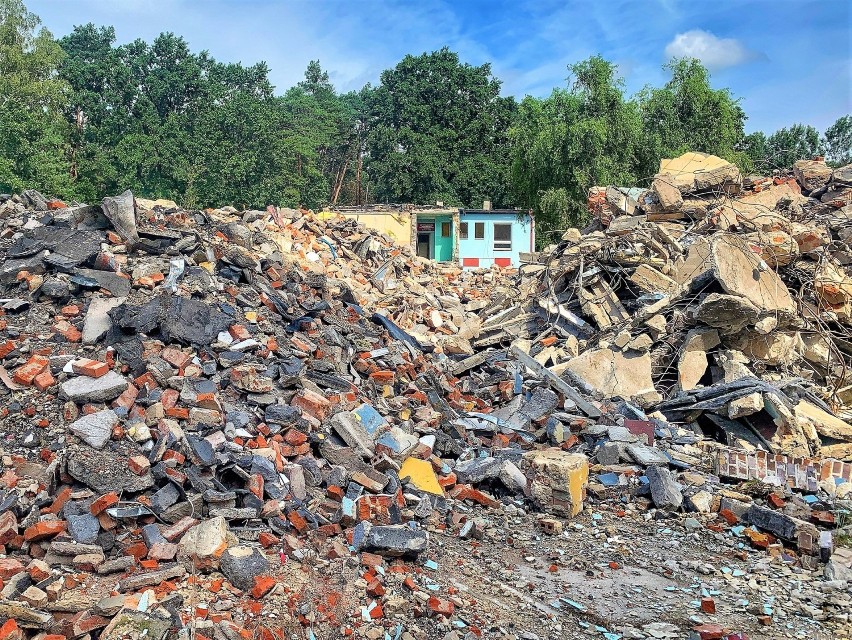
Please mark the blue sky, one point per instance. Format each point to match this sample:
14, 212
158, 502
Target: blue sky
788, 60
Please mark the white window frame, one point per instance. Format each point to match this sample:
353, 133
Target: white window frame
463, 231
502, 245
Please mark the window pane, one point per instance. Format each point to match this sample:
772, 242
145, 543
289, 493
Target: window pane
479, 230
463, 231
502, 237
445, 229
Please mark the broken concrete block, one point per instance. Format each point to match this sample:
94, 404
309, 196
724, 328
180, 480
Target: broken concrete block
121, 211
811, 174
692, 363
664, 187
727, 313
95, 429
205, 543
745, 405
389, 540
556, 480
823, 422
694, 172
97, 322
778, 523
742, 273
665, 491
84, 389
241, 564
613, 373
649, 280
137, 625
351, 430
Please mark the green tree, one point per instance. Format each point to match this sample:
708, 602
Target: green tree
576, 138
437, 131
33, 150
838, 141
787, 145
687, 114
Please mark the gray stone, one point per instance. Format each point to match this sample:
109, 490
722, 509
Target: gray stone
608, 453
105, 471
389, 540
84, 389
121, 211
116, 565
151, 535
151, 578
95, 429
137, 625
350, 429
728, 313
665, 492
645, 455
512, 477
98, 322
478, 470
777, 523
84, 528
164, 498
241, 564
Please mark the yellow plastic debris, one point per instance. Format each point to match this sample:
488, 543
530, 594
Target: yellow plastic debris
421, 475
251, 316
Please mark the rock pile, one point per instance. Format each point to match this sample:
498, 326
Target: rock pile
195, 403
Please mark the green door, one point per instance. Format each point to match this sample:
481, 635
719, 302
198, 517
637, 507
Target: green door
443, 238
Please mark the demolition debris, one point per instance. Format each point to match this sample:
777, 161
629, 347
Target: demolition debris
235, 423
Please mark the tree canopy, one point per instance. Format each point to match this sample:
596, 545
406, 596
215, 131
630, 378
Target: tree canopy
83, 117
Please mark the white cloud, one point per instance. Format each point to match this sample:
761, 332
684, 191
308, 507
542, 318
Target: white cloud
714, 52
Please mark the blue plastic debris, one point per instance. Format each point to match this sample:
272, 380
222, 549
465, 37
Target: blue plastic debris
431, 564
609, 479
578, 606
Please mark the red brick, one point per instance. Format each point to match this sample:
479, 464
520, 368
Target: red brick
6, 348
10, 567
176, 357
311, 403
176, 531
90, 368
59, 501
262, 586
8, 527
104, 502
298, 522
11, 631
375, 588
710, 631
437, 606
44, 381
71, 311
38, 570
267, 539
26, 374
139, 465
708, 605
126, 399
43, 530
239, 332
255, 485
85, 622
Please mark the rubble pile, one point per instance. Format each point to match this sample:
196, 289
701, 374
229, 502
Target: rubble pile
259, 423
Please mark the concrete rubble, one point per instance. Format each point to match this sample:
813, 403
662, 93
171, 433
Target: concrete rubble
228, 424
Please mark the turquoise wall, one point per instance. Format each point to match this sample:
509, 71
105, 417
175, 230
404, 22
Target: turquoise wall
483, 250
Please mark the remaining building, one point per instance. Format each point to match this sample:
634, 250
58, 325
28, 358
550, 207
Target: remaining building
472, 238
